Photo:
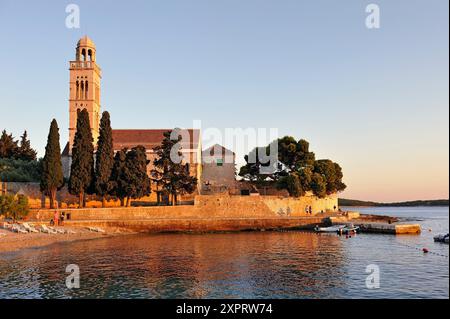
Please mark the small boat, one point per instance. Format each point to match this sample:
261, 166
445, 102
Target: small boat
331, 229
441, 238
347, 230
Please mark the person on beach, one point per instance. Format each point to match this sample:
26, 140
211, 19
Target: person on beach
62, 218
56, 218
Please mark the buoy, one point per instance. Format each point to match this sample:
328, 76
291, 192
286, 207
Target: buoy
425, 250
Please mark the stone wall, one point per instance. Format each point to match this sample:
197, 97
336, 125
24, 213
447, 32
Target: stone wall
205, 207
223, 205
31, 190
203, 224
219, 175
65, 200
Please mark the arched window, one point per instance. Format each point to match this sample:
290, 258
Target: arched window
77, 96
86, 90
83, 54
82, 90
90, 54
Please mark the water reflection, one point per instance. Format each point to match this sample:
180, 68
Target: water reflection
239, 265
178, 266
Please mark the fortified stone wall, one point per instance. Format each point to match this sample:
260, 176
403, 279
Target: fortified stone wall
218, 205
205, 207
223, 205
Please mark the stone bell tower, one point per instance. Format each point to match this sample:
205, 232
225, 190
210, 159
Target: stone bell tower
85, 76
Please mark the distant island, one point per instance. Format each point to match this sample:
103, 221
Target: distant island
354, 202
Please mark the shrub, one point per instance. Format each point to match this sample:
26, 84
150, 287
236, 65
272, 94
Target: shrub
14, 206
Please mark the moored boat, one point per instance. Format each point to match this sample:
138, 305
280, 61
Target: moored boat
441, 238
331, 229
347, 230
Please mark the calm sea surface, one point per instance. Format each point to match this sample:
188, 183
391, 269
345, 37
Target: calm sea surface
240, 265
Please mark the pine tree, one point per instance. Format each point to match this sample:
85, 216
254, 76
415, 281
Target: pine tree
318, 185
118, 181
292, 184
104, 159
332, 175
170, 173
52, 178
25, 152
8, 146
82, 168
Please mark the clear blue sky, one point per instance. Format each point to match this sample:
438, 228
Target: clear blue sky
376, 101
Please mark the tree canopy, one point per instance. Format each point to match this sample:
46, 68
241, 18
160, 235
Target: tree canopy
18, 162
170, 173
13, 170
14, 206
24, 151
296, 169
10, 148
129, 176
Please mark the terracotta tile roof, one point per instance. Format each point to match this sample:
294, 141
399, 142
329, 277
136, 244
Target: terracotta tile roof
150, 138
222, 151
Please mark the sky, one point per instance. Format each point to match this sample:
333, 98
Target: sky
374, 100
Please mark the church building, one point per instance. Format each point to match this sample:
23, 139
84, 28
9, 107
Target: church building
85, 93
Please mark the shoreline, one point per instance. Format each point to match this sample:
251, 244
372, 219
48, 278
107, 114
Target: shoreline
13, 242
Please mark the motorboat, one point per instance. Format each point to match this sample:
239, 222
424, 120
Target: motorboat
441, 238
331, 229
348, 230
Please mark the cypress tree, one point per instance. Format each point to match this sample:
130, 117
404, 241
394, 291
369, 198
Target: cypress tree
104, 160
25, 152
135, 174
52, 178
82, 168
118, 181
